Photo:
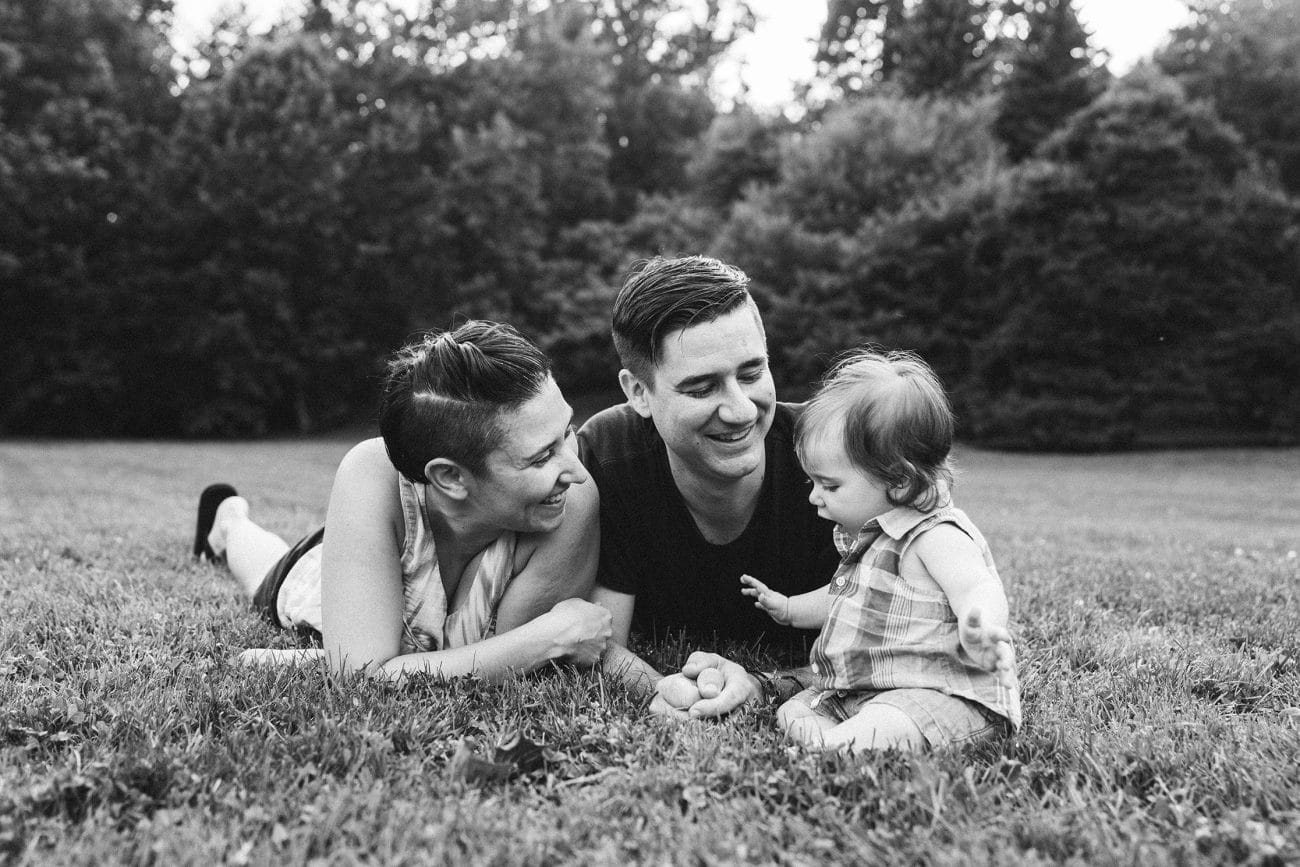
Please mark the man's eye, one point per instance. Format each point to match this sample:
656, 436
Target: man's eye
699, 392
753, 376
544, 459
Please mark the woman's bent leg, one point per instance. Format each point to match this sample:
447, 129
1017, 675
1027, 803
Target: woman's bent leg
250, 550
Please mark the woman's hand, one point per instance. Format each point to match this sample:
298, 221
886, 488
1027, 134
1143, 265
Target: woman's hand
580, 631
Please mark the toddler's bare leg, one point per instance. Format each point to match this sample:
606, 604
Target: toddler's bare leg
803, 724
250, 549
876, 727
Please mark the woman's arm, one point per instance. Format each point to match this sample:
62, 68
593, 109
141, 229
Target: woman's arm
362, 601
552, 567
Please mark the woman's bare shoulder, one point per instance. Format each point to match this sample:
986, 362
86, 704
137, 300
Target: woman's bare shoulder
580, 528
368, 455
365, 487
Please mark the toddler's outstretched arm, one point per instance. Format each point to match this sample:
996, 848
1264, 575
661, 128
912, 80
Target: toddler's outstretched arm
976, 596
805, 611
990, 646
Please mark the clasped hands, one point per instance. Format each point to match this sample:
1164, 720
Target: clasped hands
708, 685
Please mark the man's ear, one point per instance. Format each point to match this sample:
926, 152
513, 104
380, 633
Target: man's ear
636, 392
448, 477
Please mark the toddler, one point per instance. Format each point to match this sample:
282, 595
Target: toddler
914, 648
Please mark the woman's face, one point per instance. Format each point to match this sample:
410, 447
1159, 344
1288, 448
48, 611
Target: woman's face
525, 482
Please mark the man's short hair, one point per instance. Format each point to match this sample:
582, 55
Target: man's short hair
445, 392
666, 295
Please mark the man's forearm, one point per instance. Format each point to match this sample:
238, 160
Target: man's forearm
630, 669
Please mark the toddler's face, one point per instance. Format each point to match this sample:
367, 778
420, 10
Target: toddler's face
841, 492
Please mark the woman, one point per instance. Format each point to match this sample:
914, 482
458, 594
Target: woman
460, 542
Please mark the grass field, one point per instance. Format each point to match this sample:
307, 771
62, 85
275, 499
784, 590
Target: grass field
1159, 629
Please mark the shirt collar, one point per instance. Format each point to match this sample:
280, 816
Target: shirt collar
896, 523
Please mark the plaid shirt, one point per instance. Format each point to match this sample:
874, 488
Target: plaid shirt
885, 631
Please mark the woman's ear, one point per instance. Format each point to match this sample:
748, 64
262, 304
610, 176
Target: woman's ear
635, 390
448, 477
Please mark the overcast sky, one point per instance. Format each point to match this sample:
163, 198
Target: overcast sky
779, 53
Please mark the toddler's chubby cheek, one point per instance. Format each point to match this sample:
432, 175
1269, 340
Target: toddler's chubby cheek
679, 691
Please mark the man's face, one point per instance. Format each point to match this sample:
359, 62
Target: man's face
711, 396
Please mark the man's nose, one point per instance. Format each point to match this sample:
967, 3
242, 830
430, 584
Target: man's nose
736, 407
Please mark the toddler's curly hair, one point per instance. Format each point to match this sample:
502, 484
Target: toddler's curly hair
896, 422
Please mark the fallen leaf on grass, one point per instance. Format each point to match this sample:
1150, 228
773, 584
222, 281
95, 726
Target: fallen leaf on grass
514, 754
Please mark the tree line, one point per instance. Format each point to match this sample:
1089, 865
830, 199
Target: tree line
224, 240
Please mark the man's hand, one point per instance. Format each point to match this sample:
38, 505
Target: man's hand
767, 600
989, 646
738, 686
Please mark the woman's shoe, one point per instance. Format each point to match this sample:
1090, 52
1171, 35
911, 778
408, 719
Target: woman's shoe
212, 496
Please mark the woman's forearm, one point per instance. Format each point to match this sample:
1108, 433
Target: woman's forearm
522, 649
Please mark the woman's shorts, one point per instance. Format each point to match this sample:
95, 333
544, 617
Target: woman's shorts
944, 720
266, 600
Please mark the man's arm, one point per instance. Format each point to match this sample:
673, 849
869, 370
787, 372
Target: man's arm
619, 662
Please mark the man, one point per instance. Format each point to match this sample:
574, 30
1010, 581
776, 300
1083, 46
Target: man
698, 478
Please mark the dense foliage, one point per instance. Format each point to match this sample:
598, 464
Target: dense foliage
226, 242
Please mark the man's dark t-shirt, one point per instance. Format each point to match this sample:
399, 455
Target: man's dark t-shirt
651, 548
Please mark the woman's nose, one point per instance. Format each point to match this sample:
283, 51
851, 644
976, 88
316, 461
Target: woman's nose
573, 472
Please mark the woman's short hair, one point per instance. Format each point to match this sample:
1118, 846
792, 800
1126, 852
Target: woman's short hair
666, 295
896, 422
445, 392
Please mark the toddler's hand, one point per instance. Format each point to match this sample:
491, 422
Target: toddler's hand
674, 694
774, 604
989, 646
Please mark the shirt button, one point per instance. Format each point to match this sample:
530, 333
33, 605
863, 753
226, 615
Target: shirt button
839, 581
814, 669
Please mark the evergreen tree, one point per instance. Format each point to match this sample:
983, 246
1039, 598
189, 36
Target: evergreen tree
1146, 274
84, 101
1054, 74
926, 47
660, 102
859, 43
1244, 57
945, 48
